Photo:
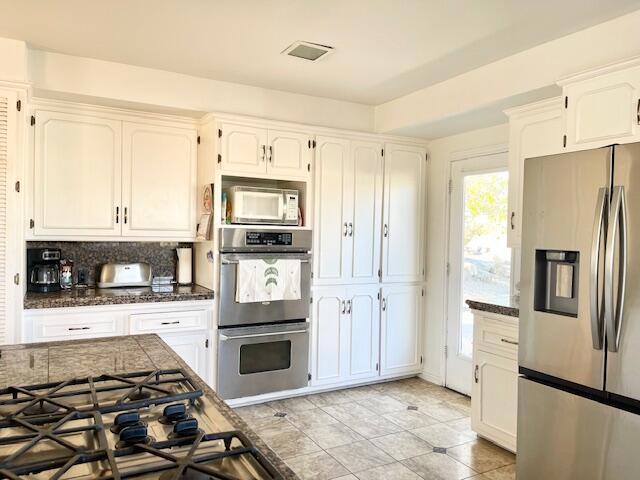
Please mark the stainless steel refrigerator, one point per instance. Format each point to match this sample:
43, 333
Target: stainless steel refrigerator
579, 353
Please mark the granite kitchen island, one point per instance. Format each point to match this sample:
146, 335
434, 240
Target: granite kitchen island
113, 357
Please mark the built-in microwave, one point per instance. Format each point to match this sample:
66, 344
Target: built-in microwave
270, 206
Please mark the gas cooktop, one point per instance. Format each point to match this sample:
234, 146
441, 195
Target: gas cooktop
152, 424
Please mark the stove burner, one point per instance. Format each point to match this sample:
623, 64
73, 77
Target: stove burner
42, 407
185, 475
139, 394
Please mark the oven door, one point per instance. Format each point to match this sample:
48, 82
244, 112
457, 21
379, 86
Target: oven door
233, 313
268, 358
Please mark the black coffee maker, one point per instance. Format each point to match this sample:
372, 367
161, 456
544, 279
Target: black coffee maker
43, 269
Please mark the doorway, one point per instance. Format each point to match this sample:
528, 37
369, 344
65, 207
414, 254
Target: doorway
479, 262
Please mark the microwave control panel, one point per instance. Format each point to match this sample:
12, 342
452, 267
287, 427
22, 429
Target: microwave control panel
268, 238
291, 205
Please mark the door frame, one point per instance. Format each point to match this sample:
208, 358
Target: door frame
478, 155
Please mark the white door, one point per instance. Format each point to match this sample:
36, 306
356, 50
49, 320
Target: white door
192, 348
495, 394
328, 335
404, 210
159, 181
332, 246
400, 342
363, 311
243, 149
77, 175
365, 217
603, 110
289, 153
479, 261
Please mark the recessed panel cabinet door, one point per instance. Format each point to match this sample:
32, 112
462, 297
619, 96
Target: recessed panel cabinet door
192, 349
331, 242
329, 339
289, 153
365, 218
404, 211
243, 148
77, 175
401, 329
159, 181
364, 331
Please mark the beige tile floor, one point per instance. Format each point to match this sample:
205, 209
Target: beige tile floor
406, 430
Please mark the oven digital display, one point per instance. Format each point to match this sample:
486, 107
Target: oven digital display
268, 238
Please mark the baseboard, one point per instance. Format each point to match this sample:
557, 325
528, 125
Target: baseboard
431, 377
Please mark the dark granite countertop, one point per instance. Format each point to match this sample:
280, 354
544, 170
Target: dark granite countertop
39, 363
83, 297
510, 310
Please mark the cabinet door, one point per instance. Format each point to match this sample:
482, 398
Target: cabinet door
77, 175
404, 211
533, 133
329, 340
494, 398
332, 246
603, 110
159, 181
289, 154
363, 309
243, 148
192, 348
400, 343
365, 217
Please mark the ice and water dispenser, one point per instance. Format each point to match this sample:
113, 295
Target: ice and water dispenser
556, 282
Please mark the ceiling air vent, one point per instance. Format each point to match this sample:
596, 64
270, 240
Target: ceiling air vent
308, 51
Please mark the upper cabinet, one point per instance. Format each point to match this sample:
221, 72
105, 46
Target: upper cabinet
404, 213
534, 130
602, 106
246, 149
159, 181
77, 175
99, 176
348, 204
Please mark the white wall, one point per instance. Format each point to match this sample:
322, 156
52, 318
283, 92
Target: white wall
13, 60
116, 84
441, 152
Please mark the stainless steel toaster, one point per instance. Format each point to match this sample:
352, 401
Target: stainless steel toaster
124, 275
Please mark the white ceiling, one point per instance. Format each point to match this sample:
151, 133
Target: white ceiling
384, 48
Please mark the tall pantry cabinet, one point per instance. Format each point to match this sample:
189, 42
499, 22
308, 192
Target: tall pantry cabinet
368, 259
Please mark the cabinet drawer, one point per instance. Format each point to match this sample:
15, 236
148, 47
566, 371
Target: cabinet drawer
66, 327
496, 337
168, 321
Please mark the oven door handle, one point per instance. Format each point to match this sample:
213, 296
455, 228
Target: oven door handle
235, 262
224, 338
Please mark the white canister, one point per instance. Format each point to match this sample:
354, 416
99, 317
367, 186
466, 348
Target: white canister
183, 270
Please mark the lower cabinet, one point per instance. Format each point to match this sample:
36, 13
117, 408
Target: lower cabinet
494, 393
192, 348
345, 334
401, 329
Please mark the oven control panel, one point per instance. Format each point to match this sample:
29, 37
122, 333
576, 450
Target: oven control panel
269, 238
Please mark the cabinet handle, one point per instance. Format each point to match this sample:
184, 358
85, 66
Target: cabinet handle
513, 214
264, 152
78, 328
350, 229
175, 322
345, 232
385, 230
349, 307
344, 307
270, 152
125, 214
510, 342
638, 112
384, 304
475, 373
117, 214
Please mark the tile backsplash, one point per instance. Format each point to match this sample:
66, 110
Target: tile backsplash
90, 255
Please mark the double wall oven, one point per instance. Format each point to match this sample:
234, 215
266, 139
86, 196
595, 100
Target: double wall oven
263, 346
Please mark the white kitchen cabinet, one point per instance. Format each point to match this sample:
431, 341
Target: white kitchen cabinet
404, 213
246, 149
159, 181
534, 130
401, 329
494, 391
348, 189
192, 348
345, 334
77, 173
602, 106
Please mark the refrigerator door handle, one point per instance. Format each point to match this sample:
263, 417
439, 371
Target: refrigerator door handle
596, 307
617, 224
